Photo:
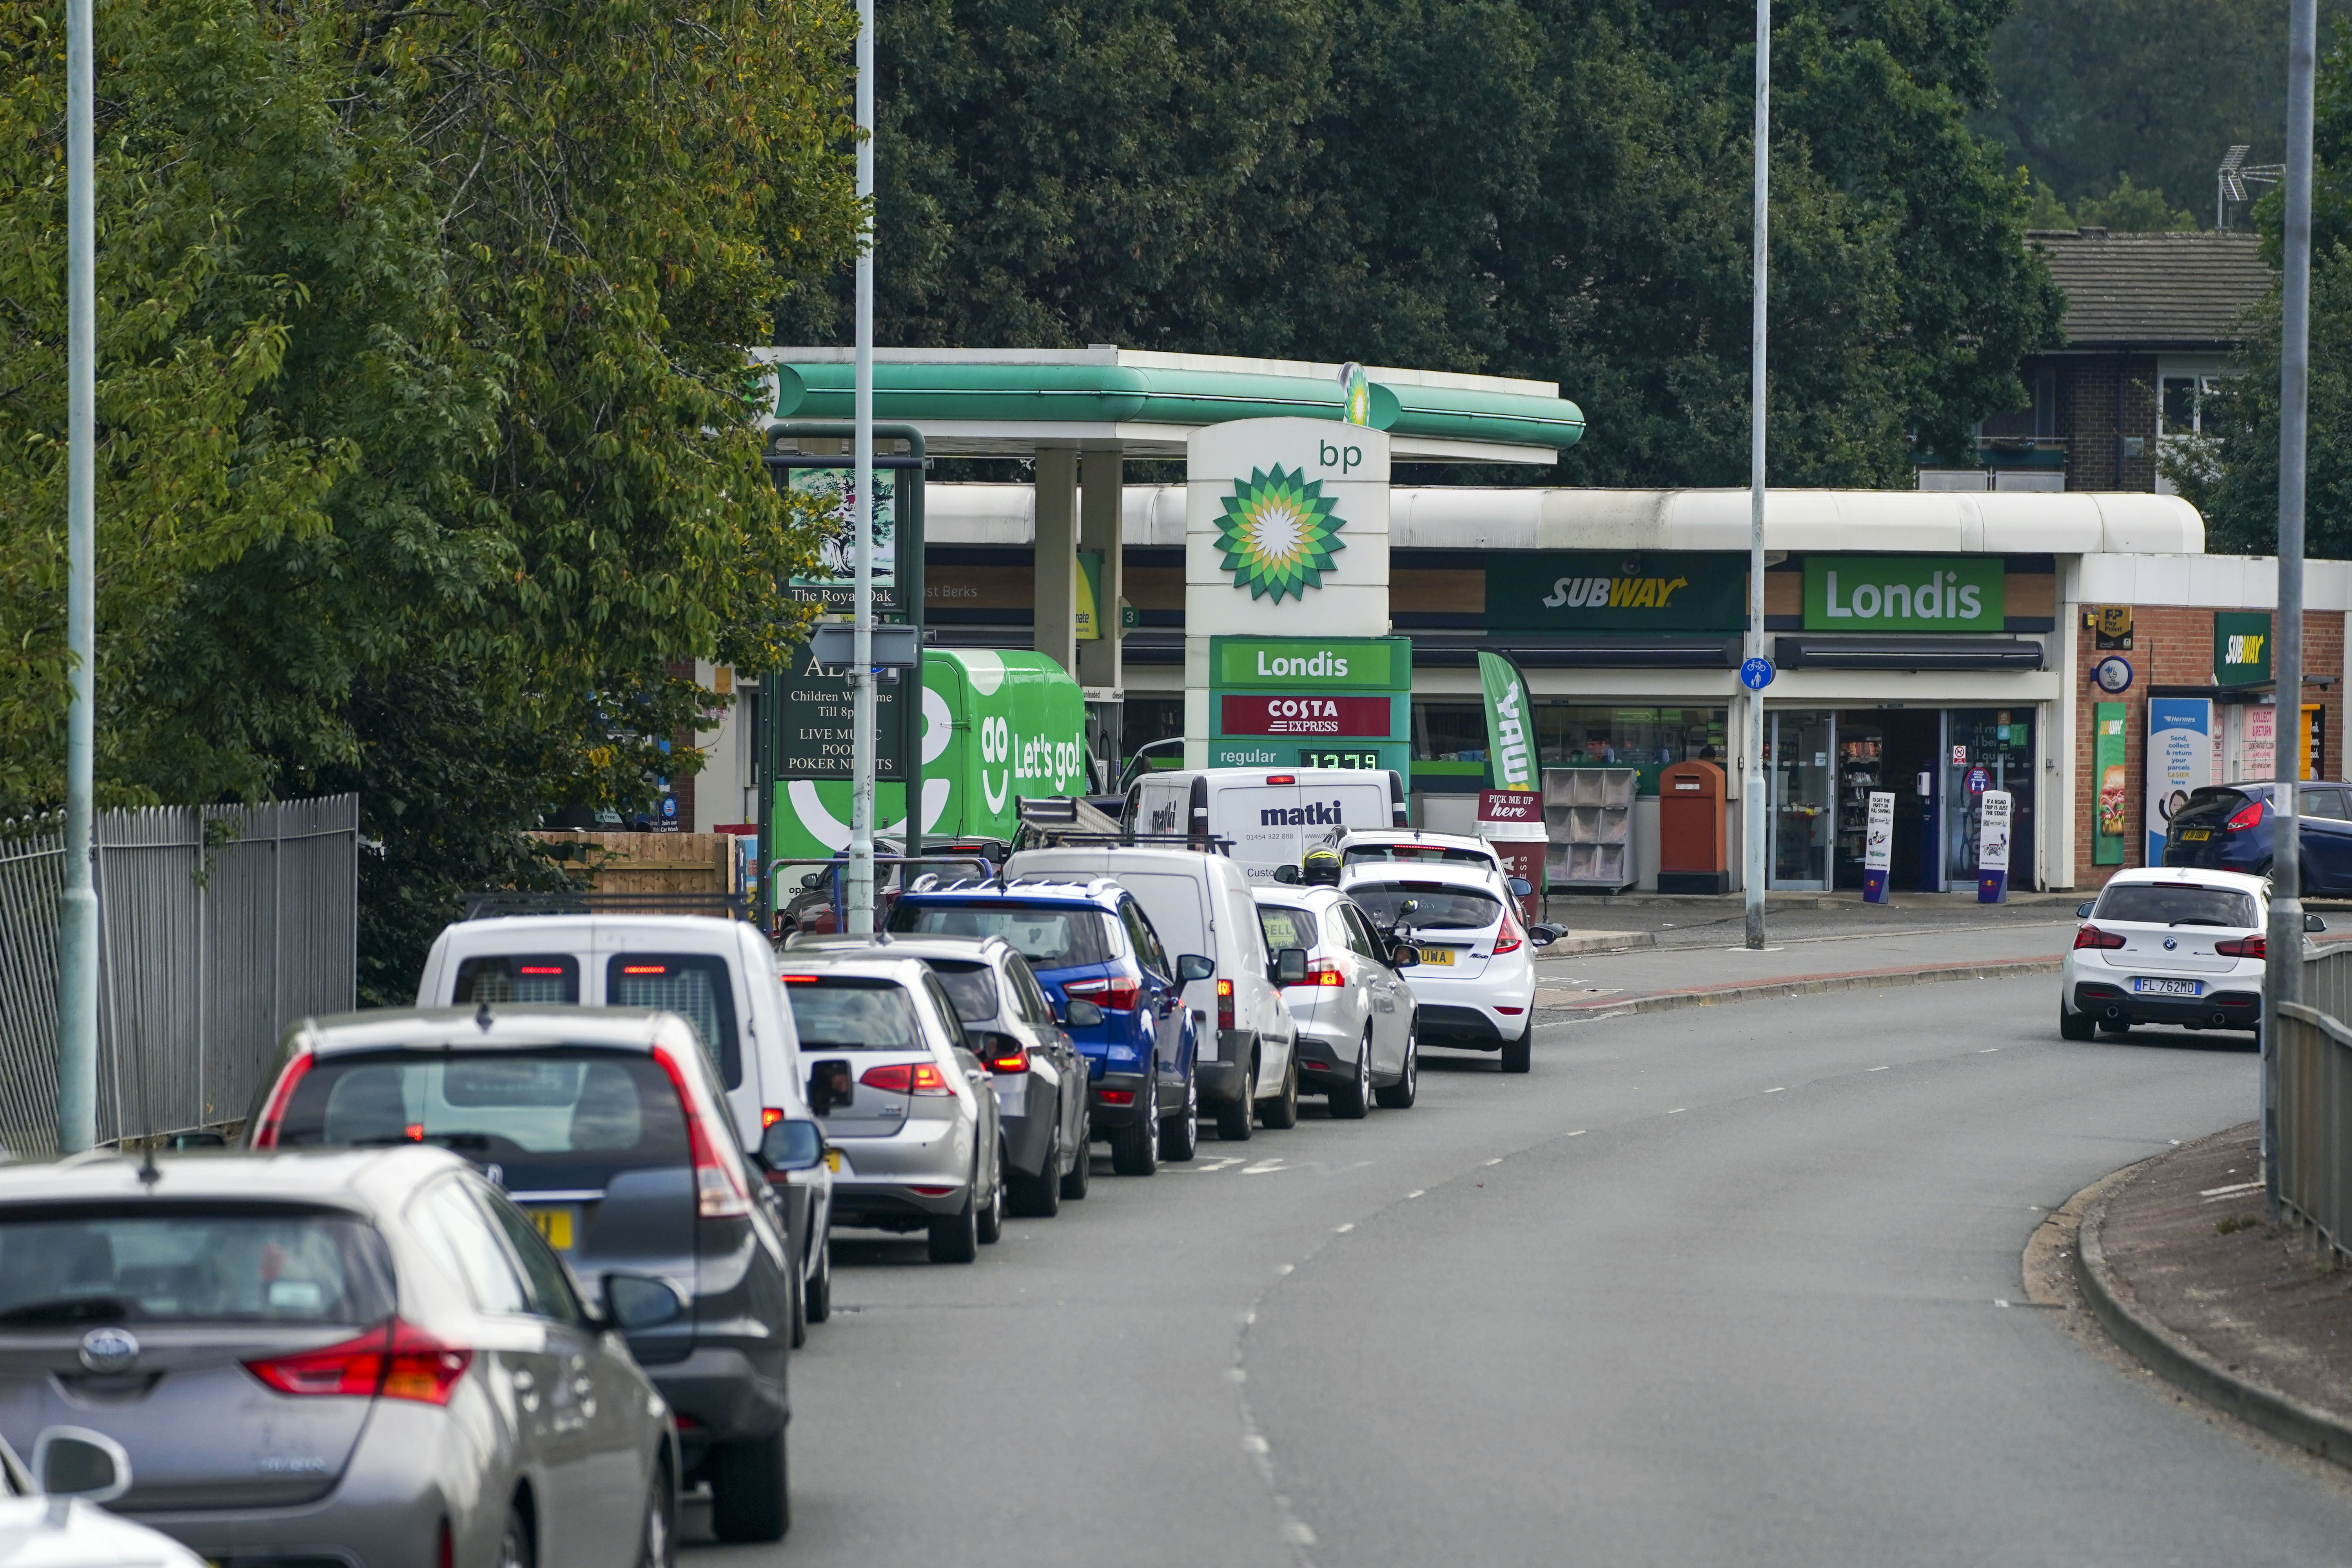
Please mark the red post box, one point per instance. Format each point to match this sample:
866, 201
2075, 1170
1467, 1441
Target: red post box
1693, 846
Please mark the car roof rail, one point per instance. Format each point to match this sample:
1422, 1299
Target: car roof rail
497, 903
1206, 843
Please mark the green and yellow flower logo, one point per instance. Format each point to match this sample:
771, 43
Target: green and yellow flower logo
1278, 533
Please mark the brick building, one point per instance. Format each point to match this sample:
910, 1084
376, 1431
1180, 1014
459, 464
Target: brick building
2152, 320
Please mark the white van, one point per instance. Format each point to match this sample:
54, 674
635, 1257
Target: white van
720, 975
1272, 815
1201, 904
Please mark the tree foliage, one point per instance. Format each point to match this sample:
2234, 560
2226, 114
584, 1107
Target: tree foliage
1554, 188
426, 422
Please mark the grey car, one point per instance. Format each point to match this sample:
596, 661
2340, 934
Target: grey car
909, 1107
609, 1128
1358, 1024
1039, 1077
368, 1358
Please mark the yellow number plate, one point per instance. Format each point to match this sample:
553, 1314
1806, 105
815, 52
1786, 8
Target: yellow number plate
2196, 835
833, 1159
1442, 957
555, 1224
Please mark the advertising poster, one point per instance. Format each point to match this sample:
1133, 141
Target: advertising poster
2113, 785
1510, 723
1513, 822
2180, 760
1877, 846
1992, 848
2258, 755
835, 577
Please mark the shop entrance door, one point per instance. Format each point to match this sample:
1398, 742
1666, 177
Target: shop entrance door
1991, 747
1896, 750
1804, 801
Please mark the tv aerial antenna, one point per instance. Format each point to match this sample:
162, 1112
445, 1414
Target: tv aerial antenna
2234, 176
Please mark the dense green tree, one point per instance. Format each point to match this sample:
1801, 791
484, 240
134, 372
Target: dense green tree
2126, 209
1553, 188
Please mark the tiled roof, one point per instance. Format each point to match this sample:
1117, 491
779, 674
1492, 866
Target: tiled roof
2151, 290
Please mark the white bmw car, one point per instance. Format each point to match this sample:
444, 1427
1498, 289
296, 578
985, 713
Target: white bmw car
2168, 945
1475, 981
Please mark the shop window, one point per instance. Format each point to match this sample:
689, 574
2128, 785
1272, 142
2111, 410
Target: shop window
1645, 738
1449, 732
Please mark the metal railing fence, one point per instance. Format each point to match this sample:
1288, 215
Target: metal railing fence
217, 925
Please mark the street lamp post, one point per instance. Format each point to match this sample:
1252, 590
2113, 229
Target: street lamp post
1752, 801
77, 907
859, 891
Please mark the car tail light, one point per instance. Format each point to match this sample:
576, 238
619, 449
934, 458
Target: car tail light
1322, 972
267, 1125
1281, 778
1225, 1004
718, 1186
2244, 947
1508, 940
799, 979
1117, 1095
2092, 936
906, 1077
398, 1361
1014, 1060
769, 1116
445, 1554
2245, 817
1513, 1011
1117, 994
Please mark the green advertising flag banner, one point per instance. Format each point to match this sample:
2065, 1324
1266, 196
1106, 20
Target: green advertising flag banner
2241, 648
1510, 723
1904, 593
1620, 591
2111, 779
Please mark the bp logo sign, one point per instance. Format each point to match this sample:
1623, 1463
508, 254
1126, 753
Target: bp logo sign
1278, 533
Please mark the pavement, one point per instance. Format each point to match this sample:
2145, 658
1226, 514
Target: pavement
1737, 1285
2177, 1261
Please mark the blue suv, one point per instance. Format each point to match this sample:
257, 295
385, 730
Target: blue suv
1091, 943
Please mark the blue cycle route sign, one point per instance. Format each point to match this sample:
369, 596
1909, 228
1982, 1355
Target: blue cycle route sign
1756, 674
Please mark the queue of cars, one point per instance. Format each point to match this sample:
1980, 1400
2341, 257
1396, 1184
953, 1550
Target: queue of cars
497, 1279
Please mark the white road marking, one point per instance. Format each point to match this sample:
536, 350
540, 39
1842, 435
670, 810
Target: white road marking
1264, 1167
1343, 1229
1415, 1193
1494, 1161
1987, 1051
1677, 1111
1254, 1443
1998, 1302
1236, 1374
1878, 1069
1782, 1089
2210, 1193
1287, 1268
1577, 1133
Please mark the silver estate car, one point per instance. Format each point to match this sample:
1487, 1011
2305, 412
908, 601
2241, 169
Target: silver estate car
1358, 1023
908, 1108
363, 1357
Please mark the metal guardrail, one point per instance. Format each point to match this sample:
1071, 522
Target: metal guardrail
2315, 1103
216, 926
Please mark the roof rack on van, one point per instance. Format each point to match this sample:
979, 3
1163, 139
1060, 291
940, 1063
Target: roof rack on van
500, 902
1206, 843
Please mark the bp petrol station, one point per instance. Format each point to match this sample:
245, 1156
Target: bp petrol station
1923, 642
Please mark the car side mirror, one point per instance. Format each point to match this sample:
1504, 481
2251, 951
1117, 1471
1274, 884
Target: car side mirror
1191, 966
637, 1302
1410, 907
792, 1145
2083, 910
1401, 956
830, 1084
1286, 873
1521, 887
1543, 935
76, 1462
2312, 922
1290, 966
814, 879
1078, 1013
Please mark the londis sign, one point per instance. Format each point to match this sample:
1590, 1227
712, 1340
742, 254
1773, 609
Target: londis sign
1904, 593
1617, 591
1312, 663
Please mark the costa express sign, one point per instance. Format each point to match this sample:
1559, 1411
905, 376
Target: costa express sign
1263, 714
1617, 591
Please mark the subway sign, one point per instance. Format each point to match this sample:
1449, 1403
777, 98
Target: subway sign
1904, 593
1617, 591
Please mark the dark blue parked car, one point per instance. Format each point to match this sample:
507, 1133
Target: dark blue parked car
2227, 827
1091, 941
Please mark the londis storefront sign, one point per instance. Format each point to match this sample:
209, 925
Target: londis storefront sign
1904, 593
1617, 591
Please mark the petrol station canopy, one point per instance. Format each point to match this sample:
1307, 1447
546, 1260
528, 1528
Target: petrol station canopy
1010, 402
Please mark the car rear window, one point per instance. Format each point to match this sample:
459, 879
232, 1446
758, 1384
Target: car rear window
2171, 904
1050, 936
185, 1264
1437, 906
555, 1118
972, 987
1285, 927
697, 986
847, 1012
543, 977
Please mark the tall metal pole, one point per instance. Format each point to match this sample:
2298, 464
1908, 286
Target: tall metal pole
78, 909
1752, 816
2282, 974
860, 888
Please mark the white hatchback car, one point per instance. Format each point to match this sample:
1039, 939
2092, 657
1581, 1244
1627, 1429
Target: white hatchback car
1355, 1012
1476, 982
2168, 945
